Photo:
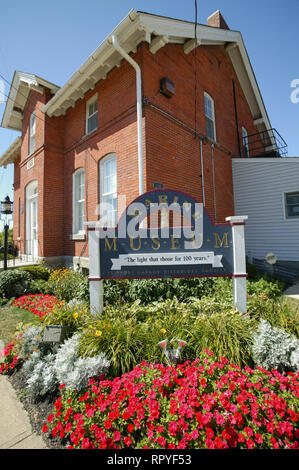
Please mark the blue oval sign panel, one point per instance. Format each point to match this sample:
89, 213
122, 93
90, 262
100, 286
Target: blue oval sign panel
165, 233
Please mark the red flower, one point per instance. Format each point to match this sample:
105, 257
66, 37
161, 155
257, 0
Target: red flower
127, 441
130, 428
250, 444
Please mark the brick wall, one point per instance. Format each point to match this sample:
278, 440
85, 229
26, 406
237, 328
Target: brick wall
171, 153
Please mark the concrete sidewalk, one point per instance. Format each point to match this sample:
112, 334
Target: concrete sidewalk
15, 428
293, 291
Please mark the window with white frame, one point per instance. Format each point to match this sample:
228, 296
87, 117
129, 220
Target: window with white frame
92, 114
32, 129
108, 190
78, 201
292, 205
245, 142
210, 117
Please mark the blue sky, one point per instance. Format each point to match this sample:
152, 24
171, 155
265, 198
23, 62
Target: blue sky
53, 39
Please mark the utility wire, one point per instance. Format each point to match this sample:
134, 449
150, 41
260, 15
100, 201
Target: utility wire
74, 139
195, 69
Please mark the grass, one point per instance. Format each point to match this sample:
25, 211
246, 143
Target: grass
9, 319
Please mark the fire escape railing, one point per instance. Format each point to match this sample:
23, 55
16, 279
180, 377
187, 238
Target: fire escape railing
268, 143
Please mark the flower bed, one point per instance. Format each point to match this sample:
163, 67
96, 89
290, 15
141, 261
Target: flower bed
10, 359
204, 404
38, 304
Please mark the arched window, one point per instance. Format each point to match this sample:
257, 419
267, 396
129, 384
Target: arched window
78, 201
31, 219
108, 190
245, 142
210, 117
32, 129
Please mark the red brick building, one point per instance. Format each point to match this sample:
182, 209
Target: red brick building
200, 105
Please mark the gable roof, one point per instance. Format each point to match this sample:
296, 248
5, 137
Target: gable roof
131, 31
158, 31
21, 86
12, 153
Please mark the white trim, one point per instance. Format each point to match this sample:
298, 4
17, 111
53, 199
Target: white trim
206, 95
32, 133
12, 153
245, 145
284, 160
284, 206
75, 222
102, 162
92, 100
28, 82
31, 196
138, 27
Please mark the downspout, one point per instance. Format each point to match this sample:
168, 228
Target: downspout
236, 117
134, 64
202, 175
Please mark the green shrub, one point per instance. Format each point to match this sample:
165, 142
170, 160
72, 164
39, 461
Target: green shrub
37, 272
40, 286
252, 271
118, 334
67, 284
14, 283
154, 290
266, 286
129, 334
277, 313
72, 317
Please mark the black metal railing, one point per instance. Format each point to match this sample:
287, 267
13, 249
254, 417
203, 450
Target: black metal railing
268, 143
21, 252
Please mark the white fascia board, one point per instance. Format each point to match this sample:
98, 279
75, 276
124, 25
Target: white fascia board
10, 100
252, 161
11, 153
33, 82
96, 59
177, 31
162, 26
253, 82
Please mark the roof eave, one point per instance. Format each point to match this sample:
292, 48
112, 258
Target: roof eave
157, 31
12, 153
32, 82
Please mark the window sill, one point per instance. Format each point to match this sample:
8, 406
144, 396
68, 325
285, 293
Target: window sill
89, 133
78, 236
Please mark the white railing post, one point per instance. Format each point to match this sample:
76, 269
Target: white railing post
239, 274
96, 289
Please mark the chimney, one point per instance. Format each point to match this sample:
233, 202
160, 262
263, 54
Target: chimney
217, 21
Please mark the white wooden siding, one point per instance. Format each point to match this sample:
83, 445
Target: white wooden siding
259, 187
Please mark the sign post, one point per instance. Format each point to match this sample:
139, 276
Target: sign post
96, 288
239, 274
190, 246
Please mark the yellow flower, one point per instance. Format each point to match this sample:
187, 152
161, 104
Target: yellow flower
163, 331
89, 326
98, 333
75, 315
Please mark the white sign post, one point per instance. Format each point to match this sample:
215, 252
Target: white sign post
96, 288
239, 274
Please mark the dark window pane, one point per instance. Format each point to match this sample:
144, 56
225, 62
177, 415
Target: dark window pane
210, 129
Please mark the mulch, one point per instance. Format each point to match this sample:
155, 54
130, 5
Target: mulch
38, 410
